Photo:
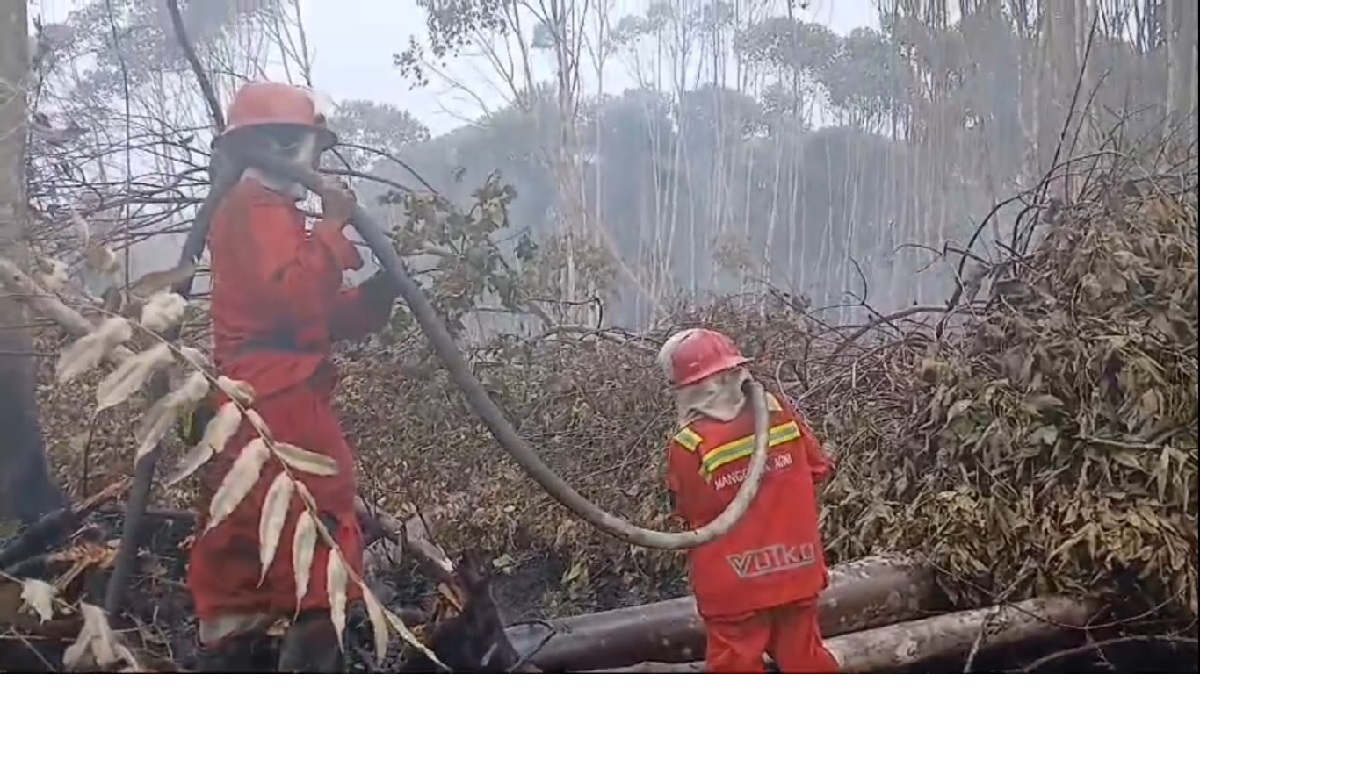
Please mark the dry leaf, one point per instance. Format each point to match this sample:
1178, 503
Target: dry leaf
96, 644
195, 458
238, 482
130, 376
194, 357
237, 390
163, 311
54, 275
305, 539
222, 427
216, 435
305, 460
258, 422
102, 258
411, 639
39, 595
309, 502
193, 388
378, 621
87, 351
336, 590
273, 515
154, 426
159, 419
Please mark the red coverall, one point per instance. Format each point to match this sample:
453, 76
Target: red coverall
277, 305
757, 586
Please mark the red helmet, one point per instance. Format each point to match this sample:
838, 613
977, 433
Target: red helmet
698, 353
264, 104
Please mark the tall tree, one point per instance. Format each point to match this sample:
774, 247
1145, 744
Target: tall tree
26, 491
371, 125
712, 171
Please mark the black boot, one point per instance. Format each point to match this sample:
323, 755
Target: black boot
244, 654
310, 646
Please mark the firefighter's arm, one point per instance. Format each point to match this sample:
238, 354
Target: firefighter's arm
684, 466
363, 310
299, 274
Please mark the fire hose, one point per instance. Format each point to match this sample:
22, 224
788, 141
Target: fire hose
228, 171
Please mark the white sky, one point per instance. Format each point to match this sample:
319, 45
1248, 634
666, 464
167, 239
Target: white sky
353, 42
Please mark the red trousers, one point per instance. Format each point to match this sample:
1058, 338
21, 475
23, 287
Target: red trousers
789, 633
225, 577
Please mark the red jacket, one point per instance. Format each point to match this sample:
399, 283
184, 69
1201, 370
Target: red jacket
277, 305
774, 556
276, 284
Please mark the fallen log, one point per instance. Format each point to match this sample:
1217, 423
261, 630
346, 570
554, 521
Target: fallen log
871, 592
950, 635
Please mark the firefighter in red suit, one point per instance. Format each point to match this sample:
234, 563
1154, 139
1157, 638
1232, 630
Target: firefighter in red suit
278, 304
757, 586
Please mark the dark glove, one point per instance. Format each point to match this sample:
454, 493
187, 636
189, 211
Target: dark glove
379, 291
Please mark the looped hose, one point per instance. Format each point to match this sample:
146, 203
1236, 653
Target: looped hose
456, 362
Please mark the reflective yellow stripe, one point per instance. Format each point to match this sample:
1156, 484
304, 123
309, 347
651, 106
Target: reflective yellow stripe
738, 449
688, 439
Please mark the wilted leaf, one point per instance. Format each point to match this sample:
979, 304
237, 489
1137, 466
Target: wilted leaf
238, 482
378, 621
336, 590
222, 427
305, 460
159, 419
53, 275
1046, 435
87, 351
576, 573
164, 310
258, 422
195, 357
130, 376
195, 458
1128, 459
193, 388
95, 645
101, 258
154, 425
1044, 403
411, 639
958, 408
39, 596
237, 390
274, 512
305, 541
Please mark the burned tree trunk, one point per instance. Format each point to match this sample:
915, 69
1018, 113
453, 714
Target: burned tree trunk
865, 593
948, 636
26, 489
